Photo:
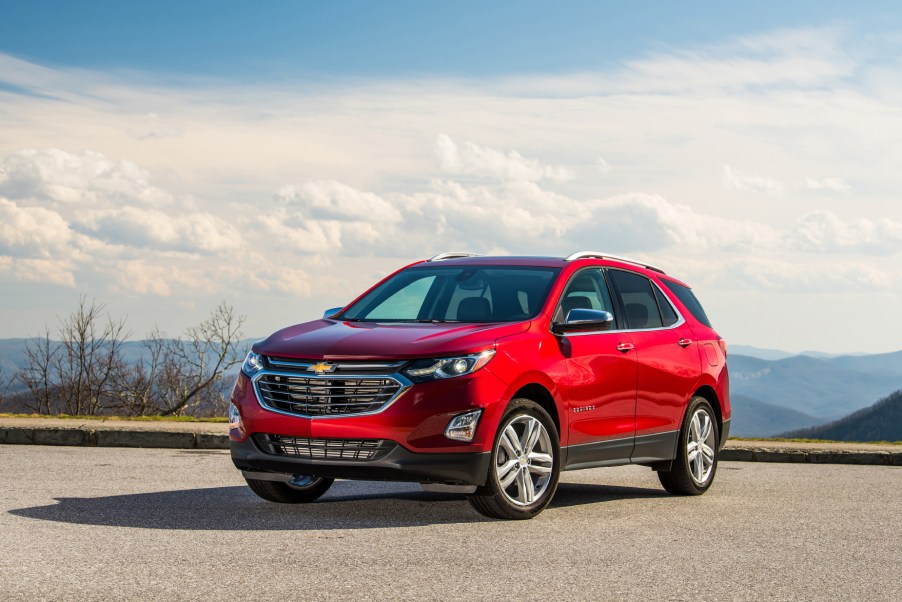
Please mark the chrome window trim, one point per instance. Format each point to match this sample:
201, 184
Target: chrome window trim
405, 385
680, 319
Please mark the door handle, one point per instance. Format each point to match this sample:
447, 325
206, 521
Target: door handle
624, 347
684, 343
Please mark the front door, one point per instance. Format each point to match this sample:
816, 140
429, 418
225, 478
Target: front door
601, 378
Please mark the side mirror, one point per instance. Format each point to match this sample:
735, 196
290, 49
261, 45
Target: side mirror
584, 320
332, 312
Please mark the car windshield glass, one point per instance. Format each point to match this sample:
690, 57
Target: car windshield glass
456, 294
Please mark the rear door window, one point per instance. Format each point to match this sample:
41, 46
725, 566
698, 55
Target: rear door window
637, 296
668, 314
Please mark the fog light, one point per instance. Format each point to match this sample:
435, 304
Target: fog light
234, 417
463, 427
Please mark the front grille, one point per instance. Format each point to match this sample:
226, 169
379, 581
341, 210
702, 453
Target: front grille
318, 396
331, 449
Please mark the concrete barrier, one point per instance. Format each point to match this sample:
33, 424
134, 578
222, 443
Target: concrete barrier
182, 435
776, 453
86, 437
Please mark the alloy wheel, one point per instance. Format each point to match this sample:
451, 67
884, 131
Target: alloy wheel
524, 460
700, 445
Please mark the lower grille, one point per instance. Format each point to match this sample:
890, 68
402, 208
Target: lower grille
330, 449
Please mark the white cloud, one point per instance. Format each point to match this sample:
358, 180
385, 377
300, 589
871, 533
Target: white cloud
733, 179
41, 271
86, 178
830, 184
332, 200
472, 159
153, 229
824, 231
795, 58
32, 231
602, 165
778, 275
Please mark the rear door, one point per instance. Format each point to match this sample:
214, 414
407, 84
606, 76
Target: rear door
601, 377
668, 363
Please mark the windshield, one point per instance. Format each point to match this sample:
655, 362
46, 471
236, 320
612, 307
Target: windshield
456, 294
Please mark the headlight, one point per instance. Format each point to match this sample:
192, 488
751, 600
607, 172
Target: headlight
448, 367
253, 363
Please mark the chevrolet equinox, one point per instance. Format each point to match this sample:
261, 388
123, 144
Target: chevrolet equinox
488, 376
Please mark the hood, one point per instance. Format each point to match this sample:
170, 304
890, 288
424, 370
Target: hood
334, 340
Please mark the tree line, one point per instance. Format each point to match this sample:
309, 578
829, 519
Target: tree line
83, 369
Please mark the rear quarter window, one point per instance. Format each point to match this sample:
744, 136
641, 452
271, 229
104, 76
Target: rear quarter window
689, 300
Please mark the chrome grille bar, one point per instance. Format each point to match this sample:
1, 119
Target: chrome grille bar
333, 449
330, 395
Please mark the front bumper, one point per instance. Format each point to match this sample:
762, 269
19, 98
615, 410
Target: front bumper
400, 464
417, 419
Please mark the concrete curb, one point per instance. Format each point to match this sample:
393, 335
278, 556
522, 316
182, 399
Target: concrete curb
86, 437
110, 436
810, 456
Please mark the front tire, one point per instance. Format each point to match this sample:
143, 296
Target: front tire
525, 466
301, 490
693, 469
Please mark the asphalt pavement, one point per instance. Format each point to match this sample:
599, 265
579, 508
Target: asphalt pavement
94, 523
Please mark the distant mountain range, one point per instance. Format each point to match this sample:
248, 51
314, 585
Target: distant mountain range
753, 418
824, 388
772, 391
879, 422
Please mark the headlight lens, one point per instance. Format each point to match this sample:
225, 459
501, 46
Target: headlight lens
448, 367
253, 363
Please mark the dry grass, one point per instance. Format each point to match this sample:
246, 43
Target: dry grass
129, 418
782, 439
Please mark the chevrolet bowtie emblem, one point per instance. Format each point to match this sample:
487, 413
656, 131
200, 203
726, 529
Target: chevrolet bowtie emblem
321, 367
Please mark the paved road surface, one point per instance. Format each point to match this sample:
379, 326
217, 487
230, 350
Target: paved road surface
102, 523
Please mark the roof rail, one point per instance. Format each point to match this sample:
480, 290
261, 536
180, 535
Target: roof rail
452, 255
598, 255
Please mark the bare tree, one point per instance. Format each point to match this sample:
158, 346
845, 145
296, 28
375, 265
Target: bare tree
192, 368
4, 387
139, 384
89, 357
39, 374
85, 372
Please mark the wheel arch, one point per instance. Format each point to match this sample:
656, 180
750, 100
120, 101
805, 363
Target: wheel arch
542, 396
708, 392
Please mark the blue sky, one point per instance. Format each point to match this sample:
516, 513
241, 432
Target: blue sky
282, 156
374, 38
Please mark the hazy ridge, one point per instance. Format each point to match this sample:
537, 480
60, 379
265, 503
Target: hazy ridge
771, 394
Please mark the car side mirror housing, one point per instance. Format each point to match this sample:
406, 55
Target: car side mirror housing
332, 312
584, 320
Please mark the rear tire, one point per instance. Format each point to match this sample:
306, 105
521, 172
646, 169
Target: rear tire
306, 490
693, 468
525, 465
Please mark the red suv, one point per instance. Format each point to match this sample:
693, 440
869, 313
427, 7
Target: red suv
488, 376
